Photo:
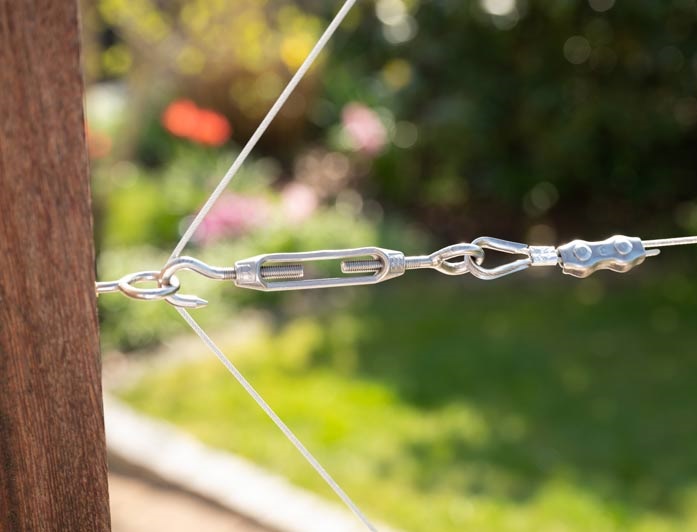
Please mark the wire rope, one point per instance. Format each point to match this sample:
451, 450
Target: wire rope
201, 215
274, 417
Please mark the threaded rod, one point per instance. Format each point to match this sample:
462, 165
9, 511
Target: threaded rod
361, 266
282, 272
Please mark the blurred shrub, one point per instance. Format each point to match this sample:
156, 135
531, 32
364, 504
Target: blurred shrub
580, 114
528, 119
234, 56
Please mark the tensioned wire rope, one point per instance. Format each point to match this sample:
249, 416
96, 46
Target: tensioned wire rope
191, 229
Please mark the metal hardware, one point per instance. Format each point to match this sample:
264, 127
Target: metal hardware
581, 258
285, 271
288, 271
127, 286
533, 256
377, 263
438, 261
249, 270
370, 265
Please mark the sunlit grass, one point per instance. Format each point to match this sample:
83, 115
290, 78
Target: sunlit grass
450, 406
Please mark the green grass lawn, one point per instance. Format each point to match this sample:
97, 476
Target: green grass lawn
455, 405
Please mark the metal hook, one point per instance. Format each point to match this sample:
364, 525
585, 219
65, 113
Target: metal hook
439, 260
167, 274
266, 272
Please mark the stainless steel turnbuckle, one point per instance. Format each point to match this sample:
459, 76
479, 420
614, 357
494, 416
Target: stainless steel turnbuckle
290, 271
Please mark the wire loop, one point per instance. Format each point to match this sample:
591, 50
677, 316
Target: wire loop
505, 246
126, 285
466, 251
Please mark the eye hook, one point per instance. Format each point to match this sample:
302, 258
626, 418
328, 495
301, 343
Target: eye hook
440, 262
127, 285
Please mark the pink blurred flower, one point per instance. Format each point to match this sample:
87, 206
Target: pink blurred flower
298, 201
233, 215
364, 128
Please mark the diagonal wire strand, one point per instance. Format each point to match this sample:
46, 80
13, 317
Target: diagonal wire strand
274, 417
186, 237
252, 142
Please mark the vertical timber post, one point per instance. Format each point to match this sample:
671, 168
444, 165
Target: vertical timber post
53, 473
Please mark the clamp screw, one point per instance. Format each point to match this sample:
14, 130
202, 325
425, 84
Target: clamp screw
583, 252
623, 246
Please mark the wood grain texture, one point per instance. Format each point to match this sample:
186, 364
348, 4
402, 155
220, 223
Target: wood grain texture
53, 473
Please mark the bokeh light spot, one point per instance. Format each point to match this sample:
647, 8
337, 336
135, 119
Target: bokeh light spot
540, 199
498, 7
577, 50
397, 74
390, 12
403, 31
406, 134
117, 60
541, 235
601, 5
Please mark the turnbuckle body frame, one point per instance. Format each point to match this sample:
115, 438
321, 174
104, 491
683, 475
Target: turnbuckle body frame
249, 271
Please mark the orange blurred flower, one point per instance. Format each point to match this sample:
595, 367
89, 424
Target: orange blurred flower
180, 118
184, 118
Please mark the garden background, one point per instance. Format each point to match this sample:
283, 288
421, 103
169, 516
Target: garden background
539, 402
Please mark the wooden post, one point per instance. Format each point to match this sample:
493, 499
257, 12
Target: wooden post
53, 473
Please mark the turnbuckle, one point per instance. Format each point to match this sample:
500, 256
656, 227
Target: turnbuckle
286, 271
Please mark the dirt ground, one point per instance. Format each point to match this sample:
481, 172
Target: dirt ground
139, 505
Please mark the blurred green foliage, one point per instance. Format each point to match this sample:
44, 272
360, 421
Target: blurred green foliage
578, 115
140, 211
543, 407
531, 120
534, 407
597, 103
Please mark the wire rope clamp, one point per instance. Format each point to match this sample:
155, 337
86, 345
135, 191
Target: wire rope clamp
618, 253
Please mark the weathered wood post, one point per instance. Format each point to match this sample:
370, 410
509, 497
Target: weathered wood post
53, 472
